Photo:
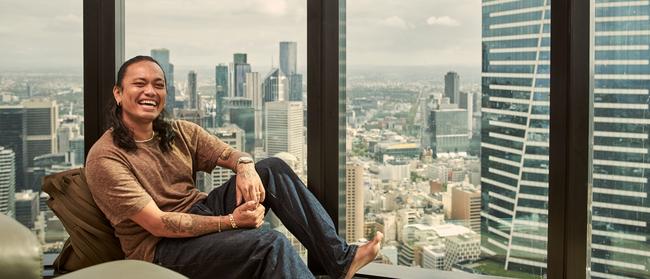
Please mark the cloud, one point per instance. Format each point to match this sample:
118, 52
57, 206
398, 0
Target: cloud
200, 32
442, 21
272, 7
69, 19
398, 22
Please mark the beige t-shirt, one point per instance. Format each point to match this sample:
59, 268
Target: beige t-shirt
122, 183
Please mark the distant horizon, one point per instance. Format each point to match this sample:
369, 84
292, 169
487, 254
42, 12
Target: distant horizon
30, 69
468, 74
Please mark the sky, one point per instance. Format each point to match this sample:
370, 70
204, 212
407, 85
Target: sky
203, 33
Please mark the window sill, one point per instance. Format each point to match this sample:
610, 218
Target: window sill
375, 270
372, 270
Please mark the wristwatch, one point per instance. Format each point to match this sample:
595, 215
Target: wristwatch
244, 160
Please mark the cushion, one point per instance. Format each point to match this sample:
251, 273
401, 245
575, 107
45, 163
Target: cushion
126, 269
20, 251
92, 238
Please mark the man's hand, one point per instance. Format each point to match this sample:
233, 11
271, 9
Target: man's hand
249, 185
249, 215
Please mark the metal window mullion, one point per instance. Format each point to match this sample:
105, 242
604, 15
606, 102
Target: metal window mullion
323, 108
103, 40
570, 160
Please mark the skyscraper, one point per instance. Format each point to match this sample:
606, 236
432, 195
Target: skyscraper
621, 129
514, 135
466, 101
14, 129
284, 128
191, 90
27, 204
162, 56
77, 148
221, 78
238, 70
234, 136
41, 118
288, 66
7, 181
240, 58
254, 92
253, 87
29, 130
241, 112
452, 87
295, 87
68, 130
274, 86
354, 202
192, 115
29, 90
448, 130
288, 57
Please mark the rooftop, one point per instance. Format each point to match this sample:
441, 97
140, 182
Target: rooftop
448, 230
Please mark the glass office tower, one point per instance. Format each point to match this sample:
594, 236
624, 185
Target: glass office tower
620, 247
515, 134
221, 87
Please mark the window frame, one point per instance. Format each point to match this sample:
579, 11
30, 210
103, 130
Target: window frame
571, 71
103, 52
323, 108
570, 132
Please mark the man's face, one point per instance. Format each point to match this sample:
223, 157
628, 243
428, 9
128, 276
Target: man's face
143, 93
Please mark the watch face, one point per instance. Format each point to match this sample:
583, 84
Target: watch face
245, 160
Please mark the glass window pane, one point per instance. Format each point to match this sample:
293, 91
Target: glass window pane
236, 68
620, 207
447, 133
41, 108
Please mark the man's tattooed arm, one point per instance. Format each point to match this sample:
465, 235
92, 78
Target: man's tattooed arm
228, 158
188, 225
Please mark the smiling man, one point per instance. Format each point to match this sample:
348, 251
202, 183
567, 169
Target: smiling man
141, 174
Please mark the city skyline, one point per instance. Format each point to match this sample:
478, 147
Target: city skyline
423, 164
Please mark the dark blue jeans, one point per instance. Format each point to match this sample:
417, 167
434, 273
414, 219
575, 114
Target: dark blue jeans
258, 253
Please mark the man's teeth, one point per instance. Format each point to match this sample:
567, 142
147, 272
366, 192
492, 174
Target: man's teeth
149, 103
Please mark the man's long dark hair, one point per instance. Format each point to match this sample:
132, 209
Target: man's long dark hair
122, 135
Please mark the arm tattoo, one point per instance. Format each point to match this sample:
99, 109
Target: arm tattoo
225, 154
194, 225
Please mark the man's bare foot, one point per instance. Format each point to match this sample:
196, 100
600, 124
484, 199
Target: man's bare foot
365, 254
